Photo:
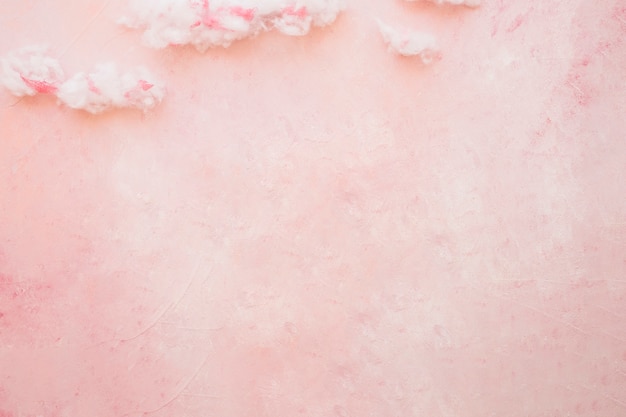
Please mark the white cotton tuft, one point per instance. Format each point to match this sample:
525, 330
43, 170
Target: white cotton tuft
410, 43
106, 88
469, 3
205, 24
297, 18
165, 22
29, 71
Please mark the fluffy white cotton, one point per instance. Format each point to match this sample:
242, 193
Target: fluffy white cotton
297, 18
30, 71
469, 3
209, 23
410, 43
106, 88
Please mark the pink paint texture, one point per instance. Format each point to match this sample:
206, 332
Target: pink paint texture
314, 227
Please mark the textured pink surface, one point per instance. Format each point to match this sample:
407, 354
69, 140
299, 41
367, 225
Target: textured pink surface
310, 226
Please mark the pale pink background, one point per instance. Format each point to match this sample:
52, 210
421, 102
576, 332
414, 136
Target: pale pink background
313, 227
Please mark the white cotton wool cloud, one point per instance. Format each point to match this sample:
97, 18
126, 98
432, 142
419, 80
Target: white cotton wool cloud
30, 71
210, 23
410, 43
107, 88
469, 3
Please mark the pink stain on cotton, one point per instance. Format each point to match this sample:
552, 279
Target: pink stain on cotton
42, 87
92, 86
145, 85
246, 14
206, 17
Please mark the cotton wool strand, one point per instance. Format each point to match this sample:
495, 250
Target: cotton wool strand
106, 88
206, 24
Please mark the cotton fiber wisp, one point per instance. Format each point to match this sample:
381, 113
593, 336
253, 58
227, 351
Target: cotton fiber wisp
410, 43
210, 23
106, 88
30, 71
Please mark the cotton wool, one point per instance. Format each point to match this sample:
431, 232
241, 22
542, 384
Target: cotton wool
297, 18
210, 23
107, 87
407, 42
30, 71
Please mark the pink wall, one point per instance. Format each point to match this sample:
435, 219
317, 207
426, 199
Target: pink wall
313, 227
